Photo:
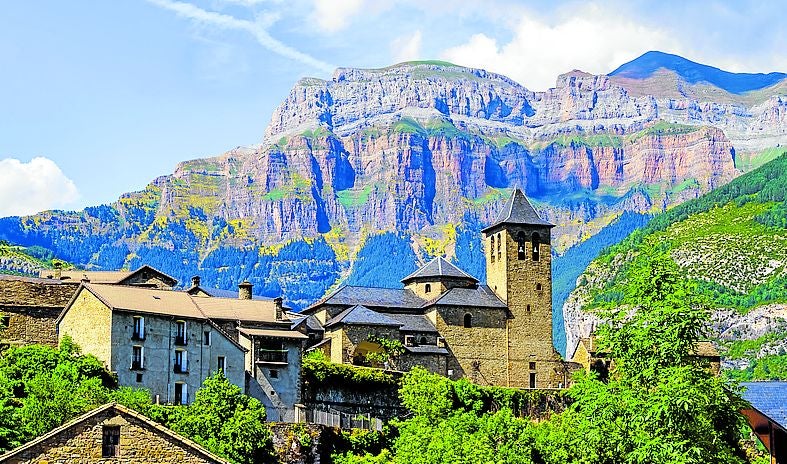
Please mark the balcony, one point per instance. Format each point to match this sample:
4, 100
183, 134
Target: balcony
272, 356
180, 340
136, 365
138, 336
181, 368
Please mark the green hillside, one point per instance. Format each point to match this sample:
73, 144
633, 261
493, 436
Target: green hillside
26, 261
732, 243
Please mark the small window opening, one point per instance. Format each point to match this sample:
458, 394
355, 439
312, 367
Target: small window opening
5, 321
532, 366
422, 341
538, 287
222, 364
521, 250
206, 338
532, 380
528, 308
274, 373
428, 288
492, 249
536, 241
499, 240
139, 378
110, 441
468, 321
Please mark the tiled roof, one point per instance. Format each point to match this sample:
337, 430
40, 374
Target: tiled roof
272, 333
236, 309
31, 291
123, 411
312, 323
518, 210
439, 267
220, 293
413, 322
105, 277
361, 315
479, 297
769, 398
373, 296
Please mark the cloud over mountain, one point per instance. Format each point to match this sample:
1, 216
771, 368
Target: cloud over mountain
27, 188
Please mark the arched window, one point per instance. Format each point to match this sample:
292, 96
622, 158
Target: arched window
536, 240
492, 249
520, 246
468, 320
428, 288
422, 341
499, 240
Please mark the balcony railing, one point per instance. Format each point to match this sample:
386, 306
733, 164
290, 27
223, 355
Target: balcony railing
181, 368
180, 340
136, 365
137, 336
275, 356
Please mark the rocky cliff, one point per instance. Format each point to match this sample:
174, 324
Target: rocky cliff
424, 149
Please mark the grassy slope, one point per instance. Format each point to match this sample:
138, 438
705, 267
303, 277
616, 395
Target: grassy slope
732, 242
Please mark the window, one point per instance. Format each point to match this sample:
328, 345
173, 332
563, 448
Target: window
222, 364
532, 366
271, 350
468, 320
532, 380
499, 240
409, 340
139, 328
181, 361
528, 308
181, 393
521, 251
428, 288
5, 321
110, 441
139, 378
538, 287
492, 249
422, 341
536, 241
180, 334
137, 357
274, 373
206, 338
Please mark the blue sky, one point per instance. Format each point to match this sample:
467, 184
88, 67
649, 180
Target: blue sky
100, 97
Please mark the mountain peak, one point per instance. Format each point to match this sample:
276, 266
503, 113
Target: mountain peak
647, 64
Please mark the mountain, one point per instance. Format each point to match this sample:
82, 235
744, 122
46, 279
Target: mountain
693, 73
732, 243
24, 261
411, 161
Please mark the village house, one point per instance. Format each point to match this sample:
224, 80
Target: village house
29, 307
169, 342
494, 334
111, 433
144, 276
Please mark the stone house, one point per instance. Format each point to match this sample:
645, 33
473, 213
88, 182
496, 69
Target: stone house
448, 322
29, 307
144, 276
111, 433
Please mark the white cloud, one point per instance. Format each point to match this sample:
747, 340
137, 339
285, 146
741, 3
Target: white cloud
590, 39
335, 15
256, 29
406, 48
27, 188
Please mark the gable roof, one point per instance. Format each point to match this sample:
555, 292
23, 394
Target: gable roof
107, 277
35, 292
120, 410
220, 293
768, 398
479, 297
361, 315
518, 210
414, 323
370, 296
439, 267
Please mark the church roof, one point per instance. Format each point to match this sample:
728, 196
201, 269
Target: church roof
480, 297
518, 210
414, 323
439, 267
361, 315
371, 296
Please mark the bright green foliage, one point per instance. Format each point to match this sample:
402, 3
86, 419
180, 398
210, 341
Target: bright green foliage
391, 350
316, 369
662, 128
225, 421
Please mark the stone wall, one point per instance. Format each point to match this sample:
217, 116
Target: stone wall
89, 323
139, 443
26, 325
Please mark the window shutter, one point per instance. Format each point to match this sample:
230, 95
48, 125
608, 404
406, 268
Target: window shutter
142, 327
185, 360
142, 357
185, 394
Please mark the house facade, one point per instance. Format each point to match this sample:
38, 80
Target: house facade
111, 433
494, 334
29, 308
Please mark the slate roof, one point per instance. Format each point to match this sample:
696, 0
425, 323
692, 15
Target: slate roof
426, 349
480, 297
361, 315
769, 398
105, 277
35, 292
122, 411
439, 267
518, 210
414, 323
372, 296
312, 323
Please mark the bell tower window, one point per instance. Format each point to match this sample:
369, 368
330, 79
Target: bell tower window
492, 249
428, 288
536, 240
499, 252
521, 252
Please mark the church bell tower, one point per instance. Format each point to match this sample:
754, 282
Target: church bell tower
519, 271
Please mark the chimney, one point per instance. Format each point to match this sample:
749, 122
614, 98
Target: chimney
195, 281
244, 290
279, 308
58, 270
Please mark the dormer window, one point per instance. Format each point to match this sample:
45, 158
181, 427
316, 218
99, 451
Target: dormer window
428, 288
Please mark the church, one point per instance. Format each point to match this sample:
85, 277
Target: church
498, 333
